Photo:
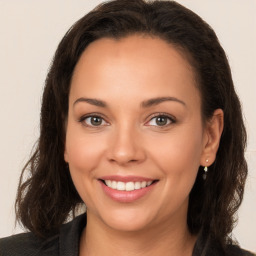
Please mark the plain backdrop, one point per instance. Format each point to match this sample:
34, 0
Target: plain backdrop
29, 34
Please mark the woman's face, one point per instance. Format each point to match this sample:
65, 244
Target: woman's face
134, 120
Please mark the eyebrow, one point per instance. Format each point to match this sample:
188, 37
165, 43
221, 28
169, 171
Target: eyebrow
145, 104
95, 102
158, 100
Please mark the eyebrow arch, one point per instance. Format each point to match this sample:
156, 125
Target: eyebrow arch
158, 100
144, 104
95, 102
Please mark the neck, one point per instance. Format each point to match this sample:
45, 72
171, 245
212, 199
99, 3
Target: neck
167, 239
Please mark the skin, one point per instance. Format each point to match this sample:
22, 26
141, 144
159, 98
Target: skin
125, 73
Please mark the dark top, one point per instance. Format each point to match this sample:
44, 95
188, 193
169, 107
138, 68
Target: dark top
66, 243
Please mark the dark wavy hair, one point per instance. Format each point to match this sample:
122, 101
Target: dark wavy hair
46, 194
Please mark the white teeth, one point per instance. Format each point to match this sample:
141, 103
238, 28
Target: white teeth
149, 183
137, 185
113, 184
108, 183
120, 185
143, 184
128, 186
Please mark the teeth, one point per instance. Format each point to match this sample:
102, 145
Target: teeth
137, 185
108, 183
120, 185
127, 186
113, 184
143, 184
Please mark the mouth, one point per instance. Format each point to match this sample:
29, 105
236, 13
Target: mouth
127, 186
127, 189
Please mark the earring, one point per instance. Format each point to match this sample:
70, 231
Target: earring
205, 170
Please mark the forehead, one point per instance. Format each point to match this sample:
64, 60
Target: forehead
131, 65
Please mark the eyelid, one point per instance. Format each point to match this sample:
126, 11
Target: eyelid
95, 114
172, 119
82, 118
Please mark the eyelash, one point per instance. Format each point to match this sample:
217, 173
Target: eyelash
83, 118
171, 119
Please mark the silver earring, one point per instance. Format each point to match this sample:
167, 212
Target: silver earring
205, 170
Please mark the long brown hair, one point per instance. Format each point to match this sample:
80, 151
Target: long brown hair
47, 196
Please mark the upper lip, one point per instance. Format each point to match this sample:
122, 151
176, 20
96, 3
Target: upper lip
126, 178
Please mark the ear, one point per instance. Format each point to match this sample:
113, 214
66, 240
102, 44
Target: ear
212, 135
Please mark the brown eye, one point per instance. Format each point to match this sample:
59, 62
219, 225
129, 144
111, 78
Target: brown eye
161, 120
94, 121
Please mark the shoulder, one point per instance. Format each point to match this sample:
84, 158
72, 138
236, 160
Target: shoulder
206, 245
27, 244
234, 250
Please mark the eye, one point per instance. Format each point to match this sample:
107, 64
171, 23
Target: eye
161, 120
93, 121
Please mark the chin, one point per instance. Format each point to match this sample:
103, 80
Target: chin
129, 220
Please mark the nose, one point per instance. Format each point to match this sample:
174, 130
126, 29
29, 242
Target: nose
126, 147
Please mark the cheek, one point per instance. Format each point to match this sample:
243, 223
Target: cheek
178, 155
83, 151
178, 159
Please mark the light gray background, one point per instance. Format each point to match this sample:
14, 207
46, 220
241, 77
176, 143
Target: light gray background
29, 34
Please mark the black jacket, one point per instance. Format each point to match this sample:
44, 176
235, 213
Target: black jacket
66, 243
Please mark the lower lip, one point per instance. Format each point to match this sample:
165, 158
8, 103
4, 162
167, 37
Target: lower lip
126, 196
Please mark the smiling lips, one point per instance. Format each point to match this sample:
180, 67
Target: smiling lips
126, 189
127, 186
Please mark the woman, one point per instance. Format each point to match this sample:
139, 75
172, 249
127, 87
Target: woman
140, 122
